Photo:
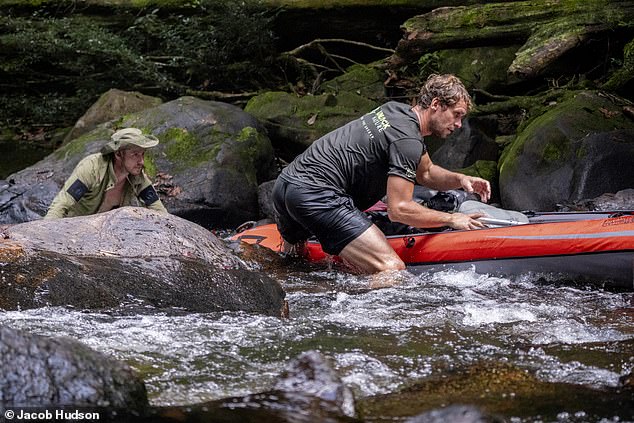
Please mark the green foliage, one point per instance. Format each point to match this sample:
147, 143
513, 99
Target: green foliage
58, 65
225, 44
428, 64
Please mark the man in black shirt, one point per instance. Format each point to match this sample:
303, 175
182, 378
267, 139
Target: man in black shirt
324, 190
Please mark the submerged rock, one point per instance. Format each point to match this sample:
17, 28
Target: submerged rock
309, 391
499, 389
128, 254
455, 414
36, 371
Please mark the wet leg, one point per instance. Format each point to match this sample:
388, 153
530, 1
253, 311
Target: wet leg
371, 253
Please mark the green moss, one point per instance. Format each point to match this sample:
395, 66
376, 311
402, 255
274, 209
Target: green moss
150, 166
254, 145
179, 144
78, 146
364, 80
247, 133
319, 114
551, 134
556, 150
625, 74
479, 67
185, 150
485, 169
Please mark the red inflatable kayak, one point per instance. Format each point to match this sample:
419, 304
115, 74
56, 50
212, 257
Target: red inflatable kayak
595, 247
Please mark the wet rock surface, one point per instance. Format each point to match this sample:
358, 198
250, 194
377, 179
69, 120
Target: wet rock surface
129, 254
484, 383
37, 371
309, 390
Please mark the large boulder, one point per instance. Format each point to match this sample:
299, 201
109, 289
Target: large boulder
207, 167
210, 161
111, 105
474, 141
581, 148
37, 371
294, 122
128, 255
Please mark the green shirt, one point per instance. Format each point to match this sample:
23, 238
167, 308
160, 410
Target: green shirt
84, 190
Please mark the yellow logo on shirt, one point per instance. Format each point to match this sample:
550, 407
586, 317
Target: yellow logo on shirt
379, 120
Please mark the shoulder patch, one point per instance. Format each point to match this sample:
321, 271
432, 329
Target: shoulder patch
77, 190
149, 195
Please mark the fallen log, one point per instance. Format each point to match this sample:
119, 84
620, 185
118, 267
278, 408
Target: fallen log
548, 29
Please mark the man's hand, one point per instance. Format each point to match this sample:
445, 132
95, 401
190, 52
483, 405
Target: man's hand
466, 221
480, 186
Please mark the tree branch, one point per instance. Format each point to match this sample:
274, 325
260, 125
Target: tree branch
320, 41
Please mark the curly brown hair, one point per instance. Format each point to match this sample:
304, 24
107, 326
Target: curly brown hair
447, 88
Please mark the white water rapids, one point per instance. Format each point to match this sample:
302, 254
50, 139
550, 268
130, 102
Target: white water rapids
380, 340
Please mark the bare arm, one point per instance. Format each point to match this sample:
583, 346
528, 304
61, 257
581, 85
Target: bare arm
437, 177
401, 208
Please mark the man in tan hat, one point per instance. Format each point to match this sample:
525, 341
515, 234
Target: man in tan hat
109, 179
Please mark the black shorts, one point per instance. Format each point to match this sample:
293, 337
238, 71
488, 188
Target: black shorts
302, 211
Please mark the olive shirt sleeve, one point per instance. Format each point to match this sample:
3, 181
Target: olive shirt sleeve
83, 178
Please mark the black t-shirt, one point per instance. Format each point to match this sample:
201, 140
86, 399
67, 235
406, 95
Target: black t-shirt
358, 157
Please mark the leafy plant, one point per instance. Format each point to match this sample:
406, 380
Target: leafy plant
53, 65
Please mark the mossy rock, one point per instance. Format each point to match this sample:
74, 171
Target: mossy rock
112, 104
581, 148
364, 80
210, 160
295, 122
479, 67
485, 169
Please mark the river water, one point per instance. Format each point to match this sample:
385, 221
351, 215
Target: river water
524, 348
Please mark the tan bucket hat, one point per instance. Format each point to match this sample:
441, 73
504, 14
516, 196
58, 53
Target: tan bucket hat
129, 136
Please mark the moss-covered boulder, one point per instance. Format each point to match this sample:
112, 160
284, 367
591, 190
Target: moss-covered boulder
210, 161
581, 148
207, 167
365, 80
294, 122
482, 68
